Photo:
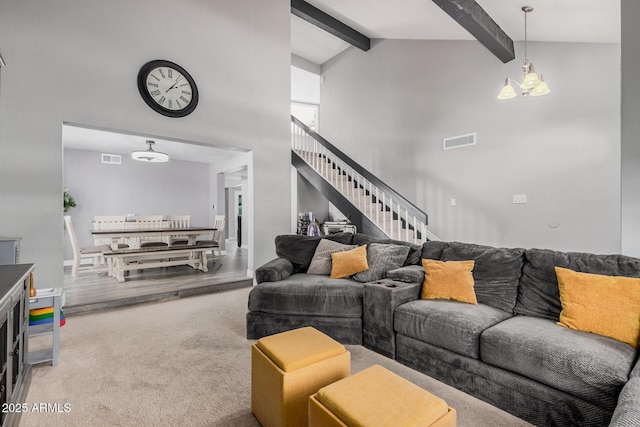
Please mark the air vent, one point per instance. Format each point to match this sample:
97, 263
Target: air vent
459, 141
111, 159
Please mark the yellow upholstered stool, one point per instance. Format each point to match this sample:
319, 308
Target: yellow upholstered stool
289, 367
376, 397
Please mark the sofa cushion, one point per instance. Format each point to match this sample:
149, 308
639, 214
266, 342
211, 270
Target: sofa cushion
496, 273
452, 325
299, 249
321, 261
538, 293
448, 280
635, 373
433, 249
304, 294
408, 273
626, 413
603, 305
382, 257
413, 257
591, 367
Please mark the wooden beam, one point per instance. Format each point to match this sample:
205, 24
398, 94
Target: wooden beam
474, 19
328, 23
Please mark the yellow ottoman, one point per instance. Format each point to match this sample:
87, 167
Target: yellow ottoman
376, 397
289, 367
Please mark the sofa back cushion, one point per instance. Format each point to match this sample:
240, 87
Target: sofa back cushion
433, 249
496, 273
538, 293
413, 257
300, 249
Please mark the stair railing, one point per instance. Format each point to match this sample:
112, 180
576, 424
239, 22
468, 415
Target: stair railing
393, 214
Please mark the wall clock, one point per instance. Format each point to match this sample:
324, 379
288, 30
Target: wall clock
167, 88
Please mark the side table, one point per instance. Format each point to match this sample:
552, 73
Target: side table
46, 298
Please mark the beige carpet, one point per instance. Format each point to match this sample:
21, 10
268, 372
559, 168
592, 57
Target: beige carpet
180, 363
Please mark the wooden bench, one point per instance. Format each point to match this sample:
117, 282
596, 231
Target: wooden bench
122, 260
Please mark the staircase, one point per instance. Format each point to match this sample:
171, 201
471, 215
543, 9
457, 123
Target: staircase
370, 204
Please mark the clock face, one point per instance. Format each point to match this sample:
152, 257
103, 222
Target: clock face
167, 88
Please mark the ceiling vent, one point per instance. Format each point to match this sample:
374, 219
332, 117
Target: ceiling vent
111, 159
459, 141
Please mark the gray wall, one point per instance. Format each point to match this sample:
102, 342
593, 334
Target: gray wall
630, 128
311, 200
390, 108
176, 187
77, 61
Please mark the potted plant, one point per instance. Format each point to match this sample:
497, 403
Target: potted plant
68, 200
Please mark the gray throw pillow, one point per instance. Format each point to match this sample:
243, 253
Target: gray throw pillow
381, 258
321, 261
408, 273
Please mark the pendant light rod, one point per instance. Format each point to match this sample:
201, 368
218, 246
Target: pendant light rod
526, 10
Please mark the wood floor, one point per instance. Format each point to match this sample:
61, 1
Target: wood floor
96, 291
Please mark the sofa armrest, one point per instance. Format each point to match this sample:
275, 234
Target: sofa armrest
379, 302
274, 270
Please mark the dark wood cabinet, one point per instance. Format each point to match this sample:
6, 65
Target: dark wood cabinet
14, 338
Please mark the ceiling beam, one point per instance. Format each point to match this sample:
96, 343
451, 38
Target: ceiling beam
474, 19
328, 23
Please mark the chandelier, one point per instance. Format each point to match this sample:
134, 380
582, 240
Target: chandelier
149, 155
532, 83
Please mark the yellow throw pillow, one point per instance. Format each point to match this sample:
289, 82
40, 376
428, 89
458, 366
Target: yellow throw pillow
603, 305
451, 280
348, 263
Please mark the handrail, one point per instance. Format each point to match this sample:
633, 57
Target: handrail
413, 209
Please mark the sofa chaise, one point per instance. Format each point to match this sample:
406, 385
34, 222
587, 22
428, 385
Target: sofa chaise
506, 348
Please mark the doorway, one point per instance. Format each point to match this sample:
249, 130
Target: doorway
103, 178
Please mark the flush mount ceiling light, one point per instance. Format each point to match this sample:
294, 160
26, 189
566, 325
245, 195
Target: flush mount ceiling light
149, 155
532, 83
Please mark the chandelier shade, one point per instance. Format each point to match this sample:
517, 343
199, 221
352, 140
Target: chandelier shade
532, 83
507, 91
149, 155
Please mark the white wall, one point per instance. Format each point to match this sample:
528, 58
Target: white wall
630, 128
177, 187
390, 108
305, 86
77, 61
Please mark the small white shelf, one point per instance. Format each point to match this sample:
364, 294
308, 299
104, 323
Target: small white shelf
40, 356
52, 297
36, 330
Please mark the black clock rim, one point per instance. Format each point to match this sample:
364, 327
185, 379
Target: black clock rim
142, 88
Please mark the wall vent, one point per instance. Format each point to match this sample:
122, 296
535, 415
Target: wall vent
459, 141
111, 159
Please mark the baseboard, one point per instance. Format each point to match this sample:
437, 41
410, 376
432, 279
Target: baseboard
250, 273
69, 262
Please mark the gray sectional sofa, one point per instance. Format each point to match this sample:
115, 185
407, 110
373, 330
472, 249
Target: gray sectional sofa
506, 350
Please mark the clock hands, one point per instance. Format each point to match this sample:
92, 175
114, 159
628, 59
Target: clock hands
173, 85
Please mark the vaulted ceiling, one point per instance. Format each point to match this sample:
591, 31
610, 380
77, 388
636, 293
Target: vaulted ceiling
580, 21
